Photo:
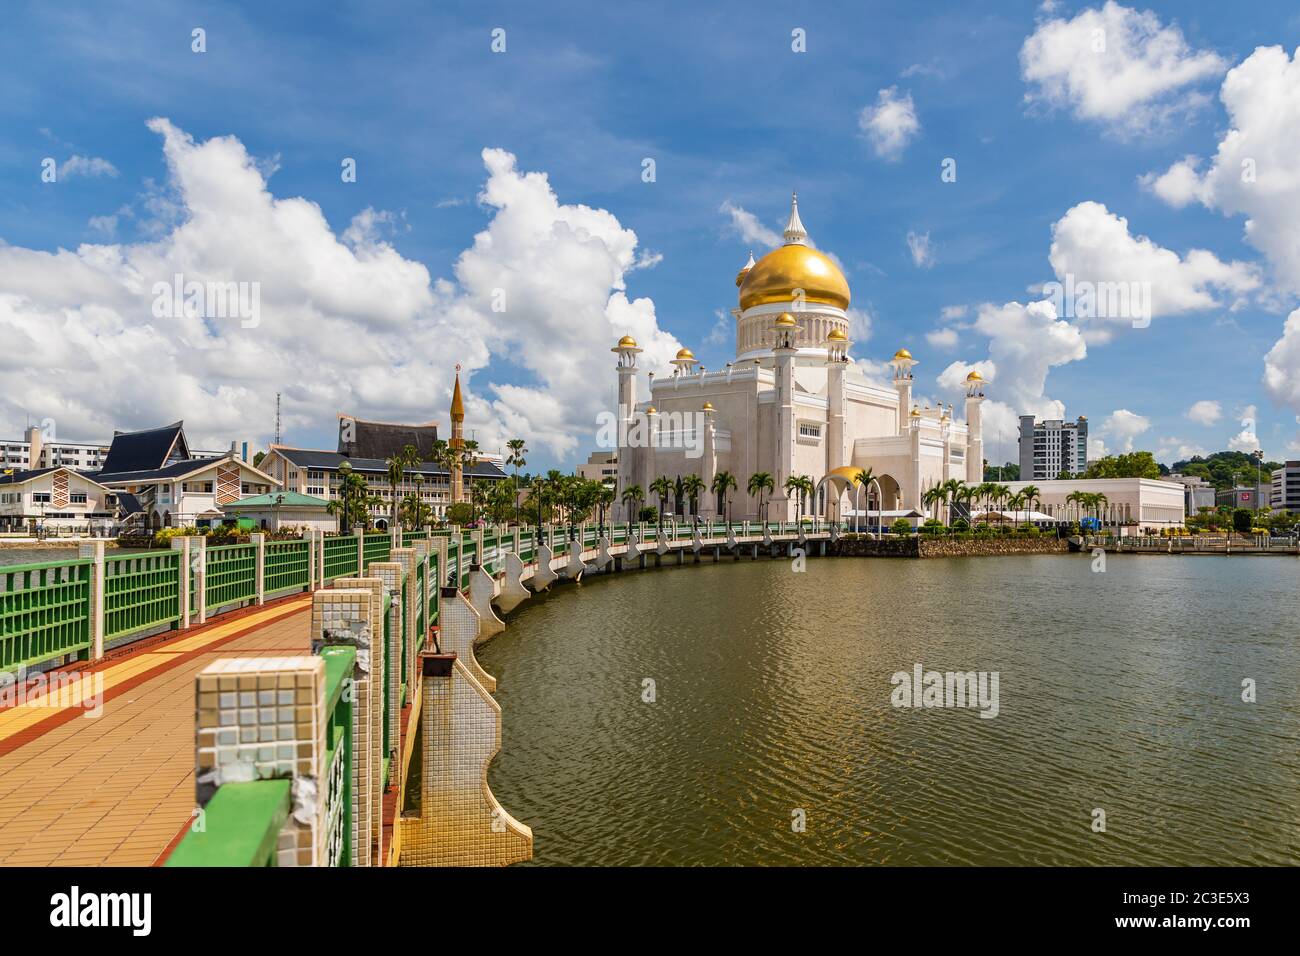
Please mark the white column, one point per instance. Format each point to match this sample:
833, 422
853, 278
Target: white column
183, 546
95, 551
259, 541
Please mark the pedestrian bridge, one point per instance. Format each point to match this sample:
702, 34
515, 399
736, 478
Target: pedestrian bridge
307, 702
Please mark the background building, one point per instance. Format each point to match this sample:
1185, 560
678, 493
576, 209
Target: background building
32, 452
1131, 503
600, 466
56, 498
1252, 496
1285, 489
1050, 447
1197, 492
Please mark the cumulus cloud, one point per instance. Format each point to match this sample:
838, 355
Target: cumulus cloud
1205, 412
1093, 245
346, 322
1170, 449
748, 227
945, 339
91, 167
1247, 439
1282, 364
1115, 65
891, 124
1025, 342
1123, 426
918, 244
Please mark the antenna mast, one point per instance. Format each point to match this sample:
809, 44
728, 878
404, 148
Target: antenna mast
277, 418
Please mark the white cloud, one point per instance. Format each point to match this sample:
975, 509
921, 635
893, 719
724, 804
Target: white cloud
90, 166
1282, 364
945, 339
106, 226
1116, 66
1092, 244
891, 124
918, 243
1123, 426
950, 312
1025, 343
1178, 185
748, 226
1247, 439
860, 325
1171, 449
1205, 412
347, 323
723, 330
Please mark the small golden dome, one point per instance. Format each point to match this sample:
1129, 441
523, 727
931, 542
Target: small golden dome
786, 268
685, 355
916, 412
626, 342
651, 410
708, 406
974, 376
945, 417
785, 321
837, 335
902, 355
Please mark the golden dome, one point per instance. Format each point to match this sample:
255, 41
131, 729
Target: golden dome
651, 410
775, 277
626, 342
708, 406
837, 335
916, 412
684, 355
902, 355
785, 321
974, 376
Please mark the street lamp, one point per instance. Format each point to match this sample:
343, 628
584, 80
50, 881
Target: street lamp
345, 472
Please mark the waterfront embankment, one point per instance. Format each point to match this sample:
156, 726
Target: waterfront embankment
923, 546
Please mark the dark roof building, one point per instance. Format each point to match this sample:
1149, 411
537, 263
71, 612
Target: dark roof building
362, 439
146, 450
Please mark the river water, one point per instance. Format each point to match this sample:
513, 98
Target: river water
1118, 691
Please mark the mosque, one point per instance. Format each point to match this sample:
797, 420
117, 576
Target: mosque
793, 403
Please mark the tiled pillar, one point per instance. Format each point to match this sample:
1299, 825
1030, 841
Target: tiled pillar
481, 592
263, 718
459, 632
199, 573
440, 549
390, 573
350, 614
182, 544
460, 823
259, 541
95, 551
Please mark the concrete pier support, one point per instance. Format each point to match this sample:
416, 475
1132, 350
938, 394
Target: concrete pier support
603, 557
513, 591
482, 588
574, 567
459, 632
543, 577
460, 822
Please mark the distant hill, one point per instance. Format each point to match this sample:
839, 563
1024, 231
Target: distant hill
1224, 469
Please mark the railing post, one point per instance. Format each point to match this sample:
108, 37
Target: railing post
259, 542
360, 534
199, 570
309, 538
320, 559
95, 551
183, 574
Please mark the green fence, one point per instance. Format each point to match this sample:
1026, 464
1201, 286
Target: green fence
288, 565
377, 547
340, 557
230, 575
339, 665
44, 612
241, 825
141, 592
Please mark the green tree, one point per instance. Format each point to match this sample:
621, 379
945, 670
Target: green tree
724, 483
692, 485
760, 484
663, 487
517, 460
1134, 464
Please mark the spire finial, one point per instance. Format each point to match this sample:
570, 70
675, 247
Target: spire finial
795, 234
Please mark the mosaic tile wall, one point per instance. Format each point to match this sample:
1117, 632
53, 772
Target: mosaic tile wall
263, 718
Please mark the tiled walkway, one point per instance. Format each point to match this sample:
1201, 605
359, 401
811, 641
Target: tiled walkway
116, 789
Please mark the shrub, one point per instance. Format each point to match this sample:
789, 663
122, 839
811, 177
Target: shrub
961, 524
933, 527
648, 513
901, 526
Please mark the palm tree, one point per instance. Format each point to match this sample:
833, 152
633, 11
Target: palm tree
516, 459
1099, 501
679, 495
966, 494
604, 499
663, 487
1076, 498
760, 482
800, 485
396, 471
1033, 495
537, 495
632, 495
864, 477
724, 483
934, 496
952, 492
692, 485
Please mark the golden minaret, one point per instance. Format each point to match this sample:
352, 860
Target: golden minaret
457, 442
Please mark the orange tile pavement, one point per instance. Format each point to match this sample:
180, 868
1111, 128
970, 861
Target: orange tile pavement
114, 790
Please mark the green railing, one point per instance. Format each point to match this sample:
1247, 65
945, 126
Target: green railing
435, 591
377, 547
420, 627
141, 591
44, 612
409, 536
388, 669
340, 663
230, 575
340, 557
241, 826
288, 566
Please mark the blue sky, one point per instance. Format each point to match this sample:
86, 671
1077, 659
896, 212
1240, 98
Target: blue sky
730, 115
